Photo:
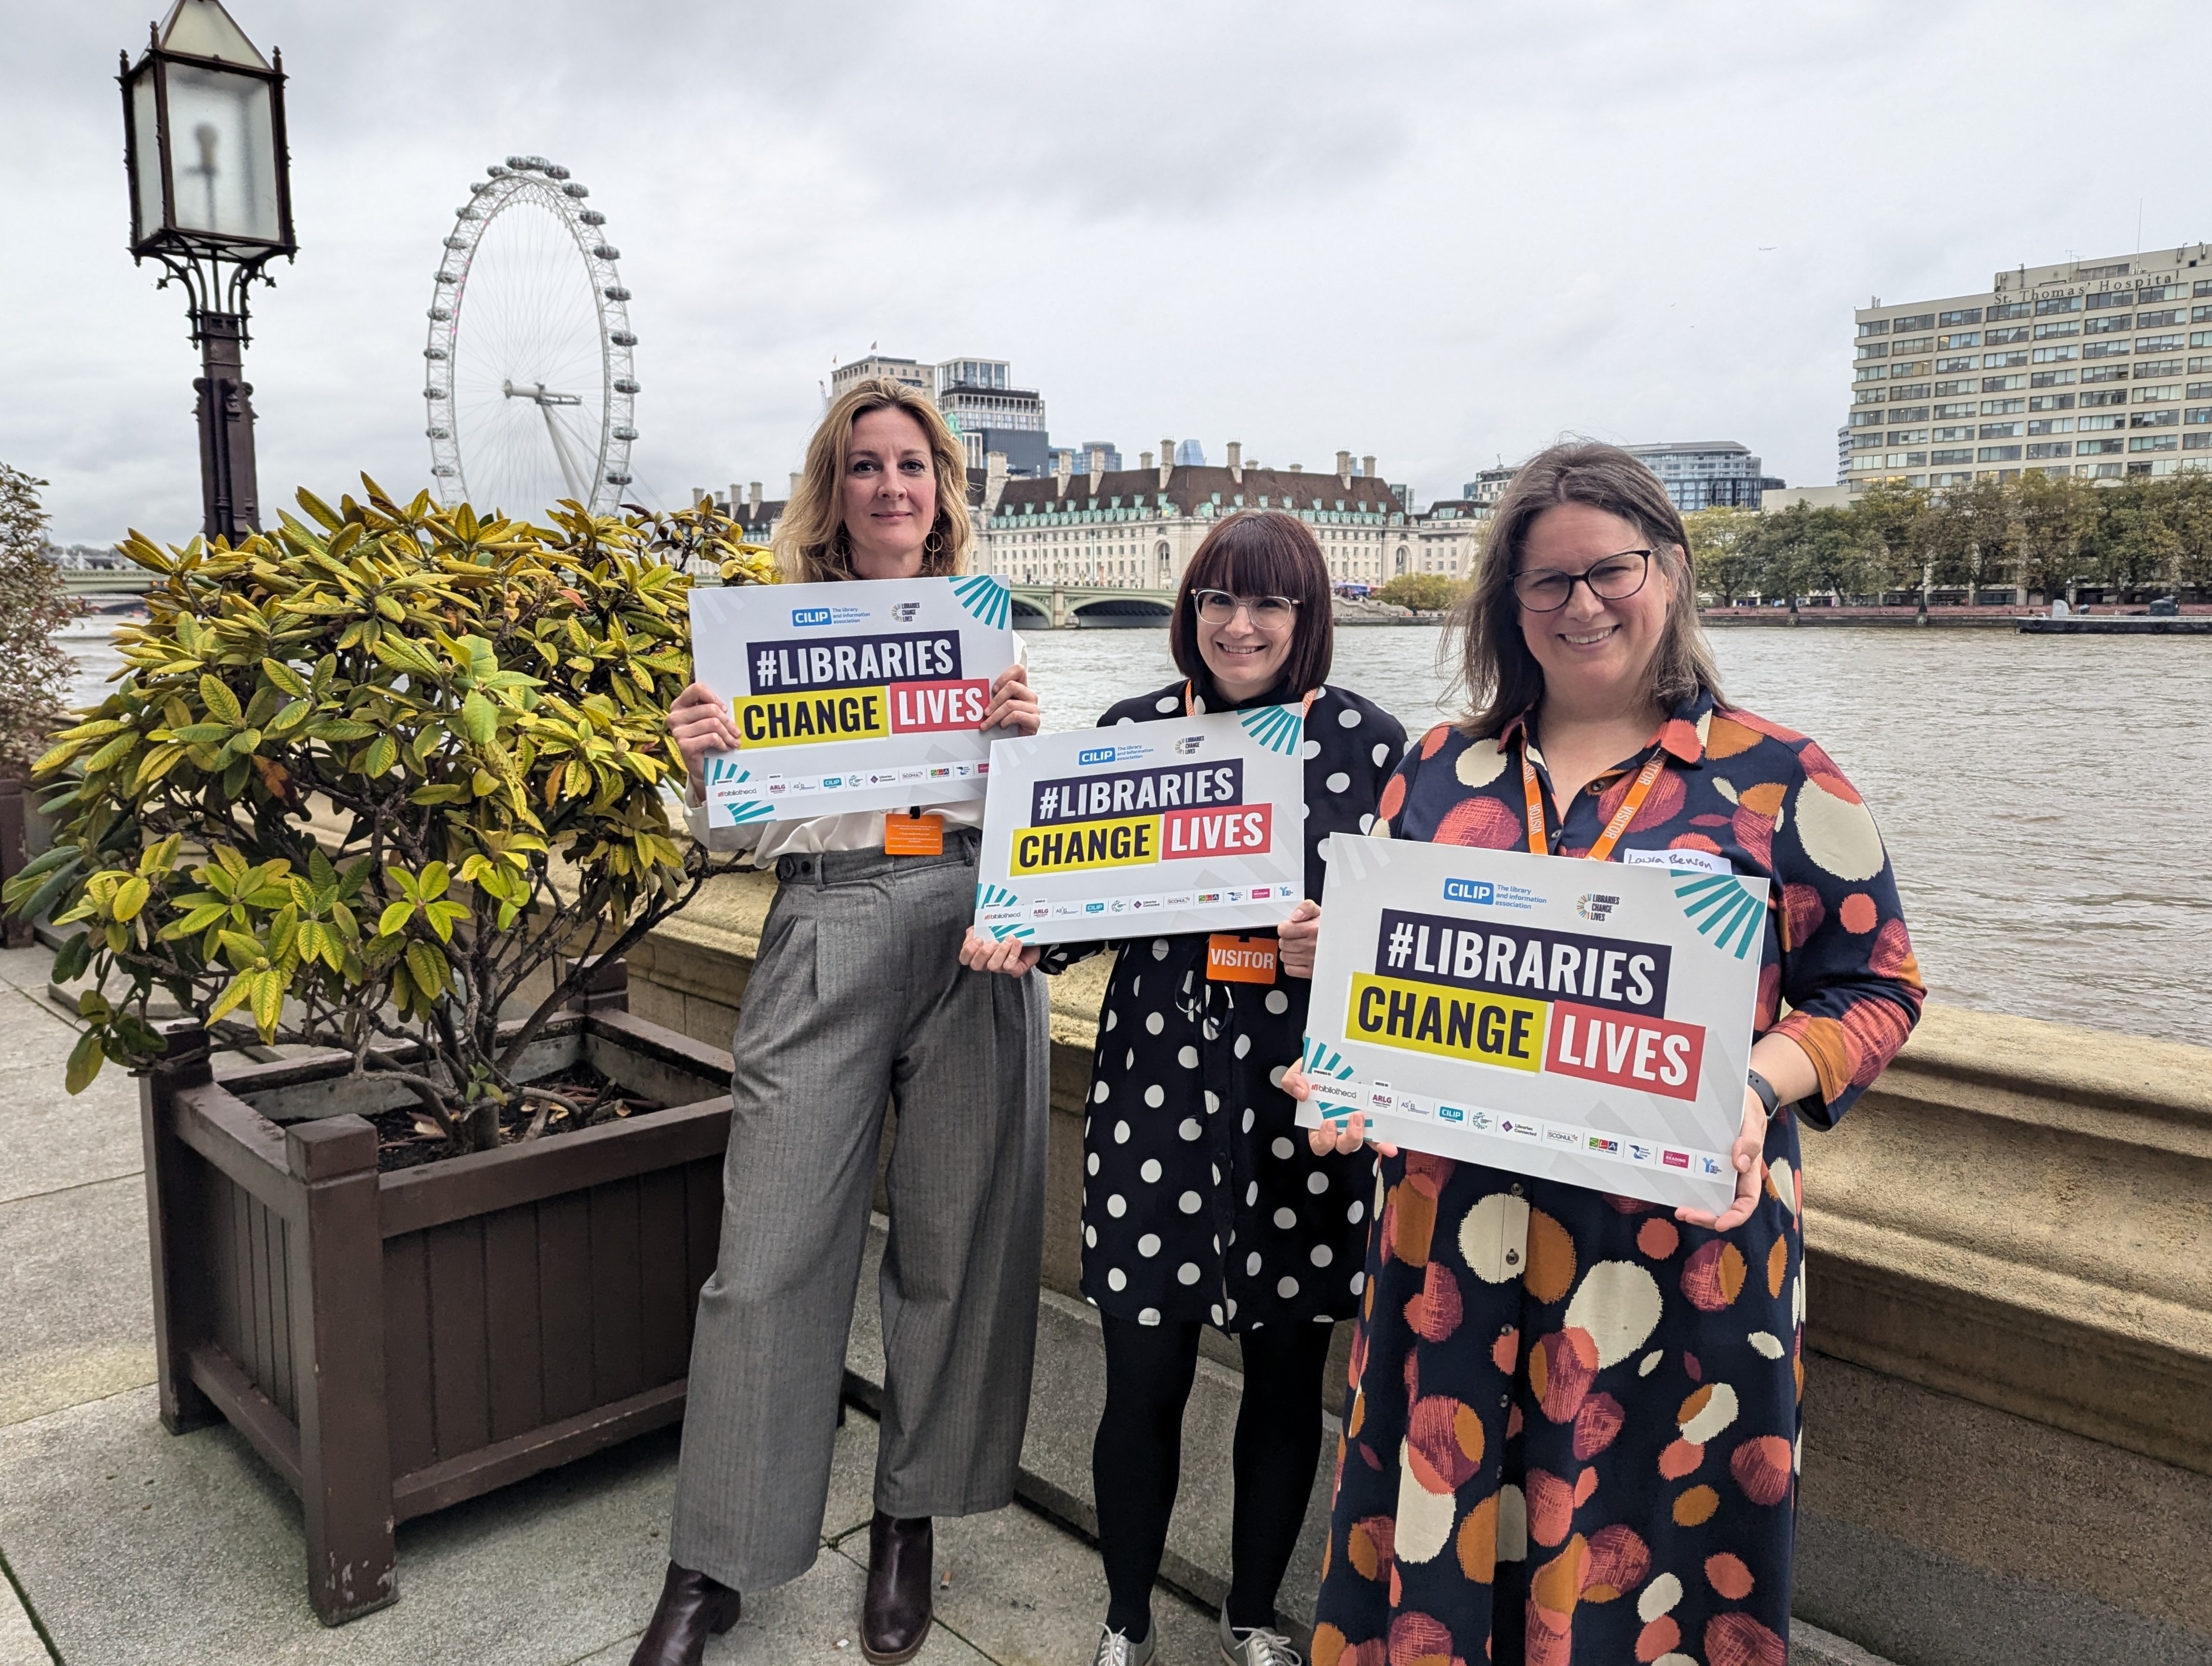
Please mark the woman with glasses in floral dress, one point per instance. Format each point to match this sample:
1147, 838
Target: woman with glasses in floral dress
1573, 1427
1202, 1203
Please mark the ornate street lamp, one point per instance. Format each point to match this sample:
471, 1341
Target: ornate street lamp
211, 200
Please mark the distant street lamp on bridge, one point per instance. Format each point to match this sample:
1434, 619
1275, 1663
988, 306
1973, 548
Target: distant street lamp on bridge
211, 200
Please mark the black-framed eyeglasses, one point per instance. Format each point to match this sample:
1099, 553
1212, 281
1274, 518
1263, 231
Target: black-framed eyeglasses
1615, 579
1268, 613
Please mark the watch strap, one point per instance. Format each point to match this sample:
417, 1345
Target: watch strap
1764, 1089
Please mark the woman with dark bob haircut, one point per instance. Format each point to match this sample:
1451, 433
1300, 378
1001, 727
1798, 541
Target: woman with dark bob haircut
1572, 1433
1202, 1203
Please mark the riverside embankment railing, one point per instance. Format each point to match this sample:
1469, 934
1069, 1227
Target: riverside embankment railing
2010, 1316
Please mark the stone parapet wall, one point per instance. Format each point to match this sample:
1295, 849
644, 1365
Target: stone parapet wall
2008, 1447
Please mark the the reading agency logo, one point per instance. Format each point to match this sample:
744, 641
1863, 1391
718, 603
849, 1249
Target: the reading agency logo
1595, 906
809, 616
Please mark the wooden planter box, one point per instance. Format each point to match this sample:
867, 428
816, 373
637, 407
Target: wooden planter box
394, 1343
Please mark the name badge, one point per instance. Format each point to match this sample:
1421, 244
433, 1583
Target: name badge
1240, 959
913, 836
1702, 861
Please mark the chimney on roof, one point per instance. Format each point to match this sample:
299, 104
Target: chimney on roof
1367, 467
701, 495
1167, 462
1298, 468
1062, 466
1145, 461
1344, 468
752, 498
994, 481
736, 501
794, 485
1097, 468
1236, 462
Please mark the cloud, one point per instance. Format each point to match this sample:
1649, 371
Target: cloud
1436, 233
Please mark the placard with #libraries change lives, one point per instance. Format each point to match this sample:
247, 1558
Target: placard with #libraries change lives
850, 696
1188, 823
1585, 1022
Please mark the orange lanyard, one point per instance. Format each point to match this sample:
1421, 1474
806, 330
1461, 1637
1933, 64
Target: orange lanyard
1540, 845
1304, 705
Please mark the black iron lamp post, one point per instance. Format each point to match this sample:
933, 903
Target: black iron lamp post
211, 200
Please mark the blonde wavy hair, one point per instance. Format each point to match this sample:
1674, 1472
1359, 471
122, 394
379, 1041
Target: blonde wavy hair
811, 545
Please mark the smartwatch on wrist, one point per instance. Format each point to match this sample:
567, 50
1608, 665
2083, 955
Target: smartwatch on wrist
1764, 1089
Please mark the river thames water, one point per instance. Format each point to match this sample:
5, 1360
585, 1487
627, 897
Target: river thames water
2044, 798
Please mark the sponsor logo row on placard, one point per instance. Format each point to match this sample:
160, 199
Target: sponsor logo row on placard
1227, 897
779, 786
1375, 1099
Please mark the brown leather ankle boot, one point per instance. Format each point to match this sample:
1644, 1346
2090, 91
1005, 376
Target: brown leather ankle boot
895, 1621
692, 1608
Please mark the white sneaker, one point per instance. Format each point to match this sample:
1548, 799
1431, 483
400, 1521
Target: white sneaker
1114, 1648
1256, 1647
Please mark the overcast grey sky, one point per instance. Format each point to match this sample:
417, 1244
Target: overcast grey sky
1438, 232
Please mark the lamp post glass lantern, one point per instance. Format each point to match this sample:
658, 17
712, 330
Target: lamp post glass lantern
210, 199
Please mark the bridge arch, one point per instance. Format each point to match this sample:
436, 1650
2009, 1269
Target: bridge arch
1122, 612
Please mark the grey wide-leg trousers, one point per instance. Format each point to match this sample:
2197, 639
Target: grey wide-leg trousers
858, 998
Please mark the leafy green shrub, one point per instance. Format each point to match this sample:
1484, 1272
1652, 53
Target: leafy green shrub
1425, 593
34, 605
365, 779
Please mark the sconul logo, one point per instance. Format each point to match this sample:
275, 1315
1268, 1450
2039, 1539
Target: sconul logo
809, 616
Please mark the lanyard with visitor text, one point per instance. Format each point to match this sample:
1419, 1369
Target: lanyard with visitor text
1539, 845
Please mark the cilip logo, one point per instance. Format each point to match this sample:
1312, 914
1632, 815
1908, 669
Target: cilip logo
1096, 754
1469, 891
809, 616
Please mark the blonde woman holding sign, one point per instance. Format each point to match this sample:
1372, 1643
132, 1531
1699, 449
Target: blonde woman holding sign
1572, 1433
858, 998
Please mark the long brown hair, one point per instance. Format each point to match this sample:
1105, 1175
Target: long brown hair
1260, 552
811, 545
1498, 676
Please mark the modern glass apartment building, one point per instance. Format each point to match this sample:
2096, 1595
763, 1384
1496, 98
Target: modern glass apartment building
1706, 474
2101, 368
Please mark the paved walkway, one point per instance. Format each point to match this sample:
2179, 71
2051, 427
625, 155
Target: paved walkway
131, 1546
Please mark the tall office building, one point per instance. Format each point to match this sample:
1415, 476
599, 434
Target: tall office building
993, 415
1706, 474
2089, 367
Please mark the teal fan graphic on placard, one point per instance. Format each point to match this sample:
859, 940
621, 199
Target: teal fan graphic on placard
987, 598
720, 771
1277, 728
998, 896
1324, 1061
1721, 906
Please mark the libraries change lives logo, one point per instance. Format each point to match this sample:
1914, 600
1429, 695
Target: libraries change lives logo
1526, 998
855, 687
1134, 818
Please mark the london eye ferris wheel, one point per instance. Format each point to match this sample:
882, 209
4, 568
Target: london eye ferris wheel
530, 386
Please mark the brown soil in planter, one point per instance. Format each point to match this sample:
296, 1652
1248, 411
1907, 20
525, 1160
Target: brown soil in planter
407, 1137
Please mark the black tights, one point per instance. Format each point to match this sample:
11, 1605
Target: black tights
1137, 1460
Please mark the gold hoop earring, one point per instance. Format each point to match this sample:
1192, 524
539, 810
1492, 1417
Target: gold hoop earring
932, 547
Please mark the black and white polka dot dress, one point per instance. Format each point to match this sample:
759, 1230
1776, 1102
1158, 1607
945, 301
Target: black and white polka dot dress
1201, 1201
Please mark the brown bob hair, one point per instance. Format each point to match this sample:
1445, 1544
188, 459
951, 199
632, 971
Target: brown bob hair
1497, 676
811, 545
1261, 552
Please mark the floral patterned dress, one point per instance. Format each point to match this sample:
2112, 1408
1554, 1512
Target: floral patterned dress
1573, 1429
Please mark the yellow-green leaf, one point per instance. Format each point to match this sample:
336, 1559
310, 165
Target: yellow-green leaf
131, 897
393, 917
219, 700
